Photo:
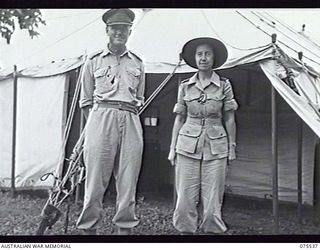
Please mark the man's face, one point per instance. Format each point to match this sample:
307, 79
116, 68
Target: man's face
118, 34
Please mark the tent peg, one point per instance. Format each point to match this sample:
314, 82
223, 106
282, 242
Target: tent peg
274, 38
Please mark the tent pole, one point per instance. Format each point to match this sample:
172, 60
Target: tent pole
299, 170
316, 193
174, 172
274, 153
82, 123
14, 130
81, 129
274, 139
299, 163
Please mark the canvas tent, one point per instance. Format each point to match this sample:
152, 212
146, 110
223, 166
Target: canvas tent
158, 37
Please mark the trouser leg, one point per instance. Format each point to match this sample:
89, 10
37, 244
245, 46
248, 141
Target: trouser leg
213, 174
185, 216
127, 172
100, 148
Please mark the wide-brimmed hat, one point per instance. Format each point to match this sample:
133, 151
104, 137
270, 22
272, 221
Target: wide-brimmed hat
118, 16
219, 49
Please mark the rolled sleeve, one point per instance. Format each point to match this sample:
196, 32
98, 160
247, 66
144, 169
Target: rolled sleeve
229, 103
180, 107
87, 85
141, 87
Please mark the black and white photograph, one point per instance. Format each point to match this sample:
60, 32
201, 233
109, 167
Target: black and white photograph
197, 123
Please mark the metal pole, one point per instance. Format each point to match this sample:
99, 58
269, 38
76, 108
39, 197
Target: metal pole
274, 139
299, 161
81, 129
299, 170
174, 173
316, 193
14, 130
82, 122
274, 152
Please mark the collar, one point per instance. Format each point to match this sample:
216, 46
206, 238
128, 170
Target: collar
215, 79
107, 51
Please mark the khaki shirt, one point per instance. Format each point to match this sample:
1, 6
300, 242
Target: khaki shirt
107, 77
203, 135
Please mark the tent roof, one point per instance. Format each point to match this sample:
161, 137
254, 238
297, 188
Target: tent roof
158, 37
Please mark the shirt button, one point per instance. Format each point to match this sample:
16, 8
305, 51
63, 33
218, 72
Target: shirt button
119, 77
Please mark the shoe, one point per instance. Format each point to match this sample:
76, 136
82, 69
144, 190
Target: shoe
88, 232
123, 231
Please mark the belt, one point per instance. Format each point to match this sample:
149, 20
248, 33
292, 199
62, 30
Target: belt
117, 105
204, 120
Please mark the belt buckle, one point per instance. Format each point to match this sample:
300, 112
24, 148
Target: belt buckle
120, 106
203, 120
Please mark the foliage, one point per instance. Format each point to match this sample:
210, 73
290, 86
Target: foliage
27, 19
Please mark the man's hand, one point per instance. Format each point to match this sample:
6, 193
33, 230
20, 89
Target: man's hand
86, 111
172, 157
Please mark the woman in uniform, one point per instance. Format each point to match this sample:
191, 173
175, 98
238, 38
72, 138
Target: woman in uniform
203, 138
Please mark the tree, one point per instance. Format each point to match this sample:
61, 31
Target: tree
27, 19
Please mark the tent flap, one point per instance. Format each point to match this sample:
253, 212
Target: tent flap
301, 104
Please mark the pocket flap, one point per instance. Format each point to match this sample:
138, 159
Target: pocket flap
190, 130
134, 71
100, 72
215, 97
216, 132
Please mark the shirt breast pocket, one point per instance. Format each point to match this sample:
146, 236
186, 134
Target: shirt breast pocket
214, 103
188, 138
103, 79
216, 97
133, 74
218, 140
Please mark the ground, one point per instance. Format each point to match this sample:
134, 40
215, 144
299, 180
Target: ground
20, 215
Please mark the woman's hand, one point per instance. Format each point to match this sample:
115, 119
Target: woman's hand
172, 157
232, 154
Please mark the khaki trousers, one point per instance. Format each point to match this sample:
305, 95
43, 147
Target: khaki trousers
113, 144
199, 181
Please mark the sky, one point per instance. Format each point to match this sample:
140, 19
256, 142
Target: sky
24, 49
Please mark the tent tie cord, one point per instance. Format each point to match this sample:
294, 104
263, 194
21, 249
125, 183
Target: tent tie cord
159, 88
234, 47
45, 176
259, 28
279, 56
264, 21
289, 79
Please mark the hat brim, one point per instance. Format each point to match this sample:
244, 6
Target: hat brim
219, 49
116, 23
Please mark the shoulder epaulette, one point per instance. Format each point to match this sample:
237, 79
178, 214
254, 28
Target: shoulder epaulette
224, 79
135, 55
93, 55
184, 81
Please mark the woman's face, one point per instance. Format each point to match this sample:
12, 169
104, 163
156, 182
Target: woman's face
204, 57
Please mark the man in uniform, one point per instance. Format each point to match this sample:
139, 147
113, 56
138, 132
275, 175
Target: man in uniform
113, 84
